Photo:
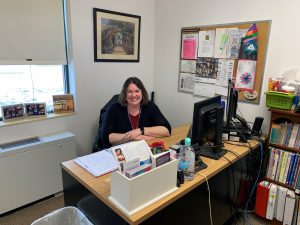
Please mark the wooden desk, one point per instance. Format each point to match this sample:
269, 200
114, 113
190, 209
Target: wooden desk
100, 186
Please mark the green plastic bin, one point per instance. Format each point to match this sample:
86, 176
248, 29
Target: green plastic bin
279, 100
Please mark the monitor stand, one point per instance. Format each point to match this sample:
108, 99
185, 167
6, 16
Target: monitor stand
209, 151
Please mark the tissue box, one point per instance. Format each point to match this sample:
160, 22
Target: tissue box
132, 195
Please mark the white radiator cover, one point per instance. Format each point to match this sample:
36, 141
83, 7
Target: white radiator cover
32, 171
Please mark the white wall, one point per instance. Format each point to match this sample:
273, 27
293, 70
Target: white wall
95, 83
171, 15
161, 22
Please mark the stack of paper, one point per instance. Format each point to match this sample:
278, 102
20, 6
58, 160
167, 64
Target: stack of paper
98, 163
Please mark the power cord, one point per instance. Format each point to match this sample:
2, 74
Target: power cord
209, 202
255, 183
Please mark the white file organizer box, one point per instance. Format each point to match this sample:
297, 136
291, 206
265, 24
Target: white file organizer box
132, 195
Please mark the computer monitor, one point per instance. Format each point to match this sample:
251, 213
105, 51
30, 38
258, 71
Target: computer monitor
207, 128
233, 120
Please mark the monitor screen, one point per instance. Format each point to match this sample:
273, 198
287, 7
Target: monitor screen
232, 100
207, 127
234, 122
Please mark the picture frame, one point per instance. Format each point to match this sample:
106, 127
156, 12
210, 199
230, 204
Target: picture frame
35, 109
12, 112
116, 36
63, 103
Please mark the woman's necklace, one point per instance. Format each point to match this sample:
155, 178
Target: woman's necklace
133, 121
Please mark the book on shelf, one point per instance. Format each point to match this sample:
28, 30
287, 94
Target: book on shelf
285, 134
289, 208
63, 103
275, 134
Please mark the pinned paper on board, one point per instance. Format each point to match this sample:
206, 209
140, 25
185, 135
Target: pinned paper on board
245, 75
186, 82
206, 43
189, 46
249, 45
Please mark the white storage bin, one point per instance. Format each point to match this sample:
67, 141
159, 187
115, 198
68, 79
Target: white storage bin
131, 195
64, 216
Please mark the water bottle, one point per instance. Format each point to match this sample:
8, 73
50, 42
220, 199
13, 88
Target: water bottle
187, 160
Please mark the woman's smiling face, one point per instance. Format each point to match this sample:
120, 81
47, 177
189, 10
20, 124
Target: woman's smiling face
133, 95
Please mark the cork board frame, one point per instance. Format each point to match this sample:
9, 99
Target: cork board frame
264, 28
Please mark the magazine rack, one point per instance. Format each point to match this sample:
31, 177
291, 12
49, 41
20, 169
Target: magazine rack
132, 195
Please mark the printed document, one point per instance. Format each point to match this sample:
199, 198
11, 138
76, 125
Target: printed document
98, 163
206, 43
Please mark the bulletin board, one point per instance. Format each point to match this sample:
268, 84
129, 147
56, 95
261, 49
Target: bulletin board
190, 58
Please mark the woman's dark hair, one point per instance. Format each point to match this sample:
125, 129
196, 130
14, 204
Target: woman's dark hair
139, 84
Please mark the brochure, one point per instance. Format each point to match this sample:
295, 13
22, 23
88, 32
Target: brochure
132, 150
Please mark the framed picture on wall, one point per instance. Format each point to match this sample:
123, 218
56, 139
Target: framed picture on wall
116, 36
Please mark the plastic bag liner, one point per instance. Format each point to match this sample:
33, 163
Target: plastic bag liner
64, 216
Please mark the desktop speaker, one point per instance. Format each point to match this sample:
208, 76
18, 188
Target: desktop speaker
257, 125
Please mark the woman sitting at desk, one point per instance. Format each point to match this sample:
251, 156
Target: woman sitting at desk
134, 117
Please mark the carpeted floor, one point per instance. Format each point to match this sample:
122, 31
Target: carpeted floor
29, 214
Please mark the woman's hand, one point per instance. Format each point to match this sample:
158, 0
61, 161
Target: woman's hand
132, 135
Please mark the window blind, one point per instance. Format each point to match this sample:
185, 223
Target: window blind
32, 32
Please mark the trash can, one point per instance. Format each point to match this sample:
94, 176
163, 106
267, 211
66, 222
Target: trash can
64, 216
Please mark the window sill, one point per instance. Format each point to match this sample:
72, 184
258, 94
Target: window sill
33, 119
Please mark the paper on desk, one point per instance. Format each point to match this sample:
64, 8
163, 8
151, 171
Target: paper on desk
98, 163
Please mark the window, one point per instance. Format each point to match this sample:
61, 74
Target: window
31, 83
33, 51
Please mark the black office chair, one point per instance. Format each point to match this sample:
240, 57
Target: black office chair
97, 143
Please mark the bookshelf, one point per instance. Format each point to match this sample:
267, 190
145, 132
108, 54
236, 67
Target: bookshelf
286, 120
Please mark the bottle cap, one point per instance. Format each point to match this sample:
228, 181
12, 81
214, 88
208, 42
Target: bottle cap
187, 142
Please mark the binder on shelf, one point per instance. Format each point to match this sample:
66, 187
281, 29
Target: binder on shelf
262, 195
293, 169
293, 136
280, 203
289, 207
296, 145
271, 162
295, 215
282, 170
276, 157
271, 201
280, 160
297, 184
298, 212
287, 167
